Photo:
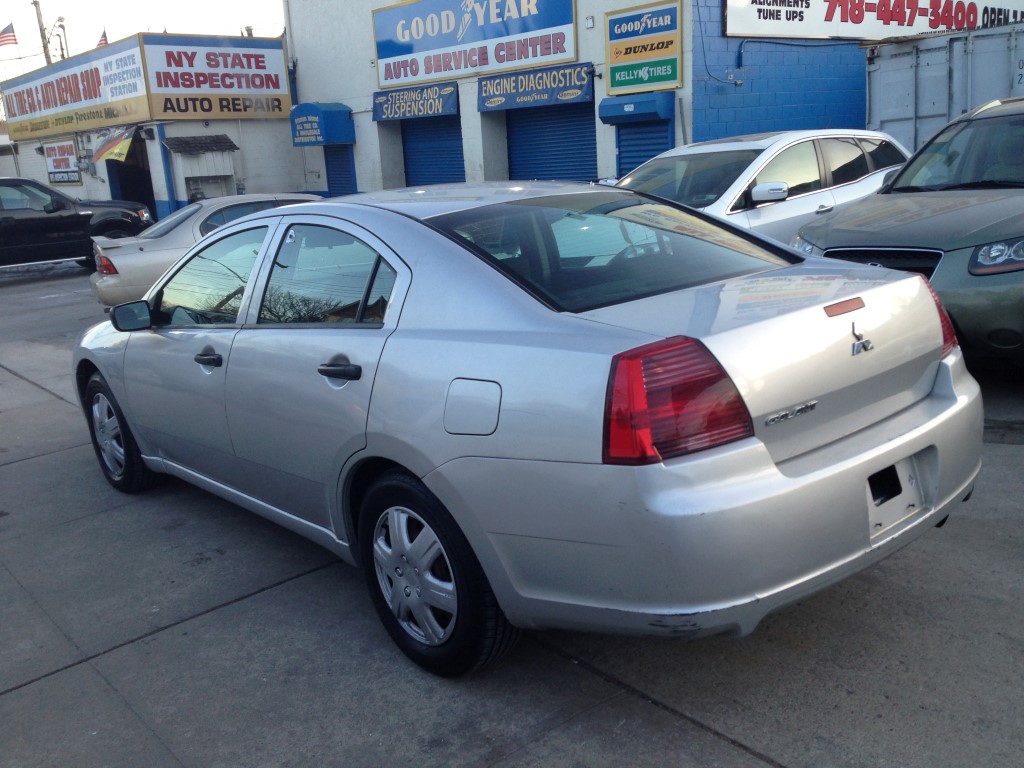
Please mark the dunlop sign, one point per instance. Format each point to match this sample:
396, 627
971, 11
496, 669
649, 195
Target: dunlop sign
643, 48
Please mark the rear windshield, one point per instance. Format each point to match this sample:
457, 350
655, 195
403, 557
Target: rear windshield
581, 252
164, 226
696, 180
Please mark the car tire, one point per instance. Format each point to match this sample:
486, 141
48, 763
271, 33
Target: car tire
411, 548
116, 450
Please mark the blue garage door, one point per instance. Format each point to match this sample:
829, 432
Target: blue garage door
432, 147
341, 169
639, 142
552, 142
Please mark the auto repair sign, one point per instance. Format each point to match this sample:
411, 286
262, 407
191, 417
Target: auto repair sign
430, 40
864, 19
644, 46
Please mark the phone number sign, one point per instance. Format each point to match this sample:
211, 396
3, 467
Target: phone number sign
863, 19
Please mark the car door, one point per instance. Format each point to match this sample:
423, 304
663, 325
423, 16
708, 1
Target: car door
849, 169
303, 366
174, 371
799, 167
39, 225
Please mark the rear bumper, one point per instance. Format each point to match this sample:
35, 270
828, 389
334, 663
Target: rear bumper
710, 543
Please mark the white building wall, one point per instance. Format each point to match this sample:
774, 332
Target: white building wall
332, 45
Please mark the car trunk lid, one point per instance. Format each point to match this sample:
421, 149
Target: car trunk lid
816, 353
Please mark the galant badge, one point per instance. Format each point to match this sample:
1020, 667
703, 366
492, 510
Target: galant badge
861, 344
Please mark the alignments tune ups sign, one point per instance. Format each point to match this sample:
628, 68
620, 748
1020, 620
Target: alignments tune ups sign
151, 77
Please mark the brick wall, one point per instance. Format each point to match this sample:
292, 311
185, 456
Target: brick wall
786, 83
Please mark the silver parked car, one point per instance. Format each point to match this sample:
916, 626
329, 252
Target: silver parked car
772, 183
542, 405
127, 266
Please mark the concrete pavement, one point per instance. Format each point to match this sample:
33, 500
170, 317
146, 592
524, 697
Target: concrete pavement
175, 629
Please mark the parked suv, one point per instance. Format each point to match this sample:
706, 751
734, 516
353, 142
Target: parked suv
38, 223
955, 214
771, 182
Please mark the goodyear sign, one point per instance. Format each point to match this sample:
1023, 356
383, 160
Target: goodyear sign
536, 88
429, 40
407, 103
644, 48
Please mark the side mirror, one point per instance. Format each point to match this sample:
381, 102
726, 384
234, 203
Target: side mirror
133, 316
889, 176
55, 204
769, 192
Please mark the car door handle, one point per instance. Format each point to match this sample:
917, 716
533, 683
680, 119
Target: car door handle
211, 359
347, 371
825, 208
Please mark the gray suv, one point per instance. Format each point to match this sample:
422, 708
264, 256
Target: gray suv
955, 214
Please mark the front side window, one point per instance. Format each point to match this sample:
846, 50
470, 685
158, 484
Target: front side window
797, 166
208, 289
322, 275
21, 196
845, 160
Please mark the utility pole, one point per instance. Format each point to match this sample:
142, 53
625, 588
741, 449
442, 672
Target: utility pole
42, 32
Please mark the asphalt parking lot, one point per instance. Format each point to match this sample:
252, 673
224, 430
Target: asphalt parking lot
175, 629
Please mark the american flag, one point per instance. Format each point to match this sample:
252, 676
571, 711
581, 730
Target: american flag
103, 39
7, 36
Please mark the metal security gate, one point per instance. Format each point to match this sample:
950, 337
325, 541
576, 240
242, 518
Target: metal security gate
639, 142
557, 142
432, 148
341, 169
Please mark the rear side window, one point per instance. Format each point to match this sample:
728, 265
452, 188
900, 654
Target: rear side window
323, 275
232, 212
580, 252
883, 154
845, 160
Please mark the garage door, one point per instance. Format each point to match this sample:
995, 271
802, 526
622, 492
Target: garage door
432, 147
639, 142
341, 169
552, 142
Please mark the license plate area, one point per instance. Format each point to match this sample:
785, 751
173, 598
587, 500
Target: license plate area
894, 495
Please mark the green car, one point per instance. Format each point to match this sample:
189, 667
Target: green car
955, 214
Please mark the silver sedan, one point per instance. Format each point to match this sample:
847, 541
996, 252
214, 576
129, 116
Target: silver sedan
541, 405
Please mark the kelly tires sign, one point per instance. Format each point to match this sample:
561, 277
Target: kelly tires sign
643, 48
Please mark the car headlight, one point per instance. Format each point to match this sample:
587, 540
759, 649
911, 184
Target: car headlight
805, 246
994, 258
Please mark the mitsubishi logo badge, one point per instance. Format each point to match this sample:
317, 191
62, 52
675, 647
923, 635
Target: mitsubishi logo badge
861, 344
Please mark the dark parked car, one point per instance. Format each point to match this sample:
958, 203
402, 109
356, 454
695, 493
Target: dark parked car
955, 214
38, 223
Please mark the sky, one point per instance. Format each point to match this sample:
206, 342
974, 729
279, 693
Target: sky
84, 22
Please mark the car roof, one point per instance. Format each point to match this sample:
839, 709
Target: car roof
766, 140
425, 202
997, 108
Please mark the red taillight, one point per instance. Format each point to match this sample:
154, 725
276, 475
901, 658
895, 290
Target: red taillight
105, 266
949, 341
668, 399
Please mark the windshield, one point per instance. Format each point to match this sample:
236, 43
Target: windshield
581, 252
164, 226
986, 152
696, 180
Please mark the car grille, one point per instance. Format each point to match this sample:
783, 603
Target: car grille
908, 259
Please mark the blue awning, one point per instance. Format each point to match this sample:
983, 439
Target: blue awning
318, 123
637, 108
